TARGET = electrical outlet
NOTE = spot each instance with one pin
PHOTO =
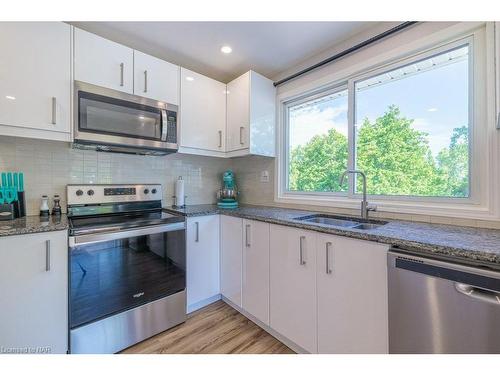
(264, 176)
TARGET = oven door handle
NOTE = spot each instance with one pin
(90, 238)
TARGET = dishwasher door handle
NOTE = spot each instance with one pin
(483, 295)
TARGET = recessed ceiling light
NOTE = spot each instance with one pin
(10, 97)
(226, 49)
(189, 79)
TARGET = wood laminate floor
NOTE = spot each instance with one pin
(215, 329)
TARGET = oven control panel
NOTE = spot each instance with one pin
(120, 191)
(96, 194)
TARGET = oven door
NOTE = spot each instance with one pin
(111, 272)
(113, 118)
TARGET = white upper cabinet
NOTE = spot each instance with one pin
(293, 285)
(231, 258)
(202, 115)
(255, 277)
(102, 62)
(352, 296)
(34, 297)
(155, 78)
(202, 247)
(35, 79)
(251, 115)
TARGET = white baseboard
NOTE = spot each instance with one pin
(202, 303)
(265, 327)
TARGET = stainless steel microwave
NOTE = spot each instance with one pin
(110, 120)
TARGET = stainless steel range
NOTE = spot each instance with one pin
(127, 266)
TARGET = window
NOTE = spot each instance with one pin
(407, 126)
(412, 127)
(318, 142)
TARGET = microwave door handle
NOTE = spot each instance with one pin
(164, 126)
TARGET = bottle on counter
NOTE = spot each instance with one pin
(44, 206)
(56, 208)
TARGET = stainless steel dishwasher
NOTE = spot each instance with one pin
(441, 307)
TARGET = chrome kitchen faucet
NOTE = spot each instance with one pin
(365, 207)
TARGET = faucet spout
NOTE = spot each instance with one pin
(365, 208)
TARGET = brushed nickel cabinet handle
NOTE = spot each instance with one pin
(301, 250)
(54, 110)
(220, 138)
(197, 237)
(328, 247)
(241, 135)
(47, 255)
(145, 81)
(247, 237)
(121, 73)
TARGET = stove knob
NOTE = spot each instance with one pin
(90, 192)
(79, 192)
(146, 191)
(153, 191)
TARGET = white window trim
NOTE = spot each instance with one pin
(483, 161)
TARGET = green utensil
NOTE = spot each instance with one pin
(9, 179)
(21, 182)
(4, 179)
(9, 194)
(1, 195)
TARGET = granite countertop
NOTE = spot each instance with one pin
(476, 246)
(33, 224)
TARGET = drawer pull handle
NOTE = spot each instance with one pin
(328, 247)
(302, 262)
(47, 255)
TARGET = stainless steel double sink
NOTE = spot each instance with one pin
(341, 221)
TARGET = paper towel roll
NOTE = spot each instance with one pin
(179, 192)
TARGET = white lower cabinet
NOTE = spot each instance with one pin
(352, 295)
(34, 297)
(293, 285)
(255, 277)
(202, 247)
(231, 258)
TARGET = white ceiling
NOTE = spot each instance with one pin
(266, 47)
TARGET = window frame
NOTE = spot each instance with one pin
(478, 204)
(324, 91)
(473, 182)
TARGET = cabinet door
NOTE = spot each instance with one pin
(255, 278)
(155, 78)
(231, 254)
(352, 296)
(293, 285)
(238, 112)
(34, 295)
(102, 62)
(202, 112)
(202, 243)
(262, 115)
(35, 75)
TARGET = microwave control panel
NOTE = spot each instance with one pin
(171, 127)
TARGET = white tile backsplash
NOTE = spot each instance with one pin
(49, 166)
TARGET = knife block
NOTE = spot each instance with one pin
(21, 196)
